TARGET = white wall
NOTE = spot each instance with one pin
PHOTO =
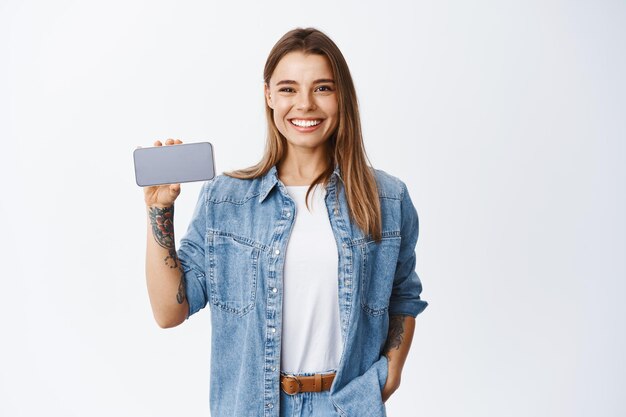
(506, 120)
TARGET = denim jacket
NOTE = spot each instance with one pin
(233, 255)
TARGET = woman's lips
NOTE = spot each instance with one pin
(306, 129)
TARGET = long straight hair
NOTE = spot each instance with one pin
(344, 147)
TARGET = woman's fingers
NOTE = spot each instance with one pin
(169, 141)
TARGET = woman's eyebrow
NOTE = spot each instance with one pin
(321, 80)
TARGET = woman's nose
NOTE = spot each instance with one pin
(305, 102)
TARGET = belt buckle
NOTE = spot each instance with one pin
(299, 384)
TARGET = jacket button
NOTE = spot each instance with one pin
(270, 405)
(288, 214)
(273, 329)
(276, 252)
(274, 289)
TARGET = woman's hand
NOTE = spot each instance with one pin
(162, 195)
(392, 383)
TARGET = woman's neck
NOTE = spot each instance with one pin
(301, 168)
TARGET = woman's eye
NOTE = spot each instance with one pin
(324, 88)
(286, 90)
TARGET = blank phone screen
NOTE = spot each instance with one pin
(173, 164)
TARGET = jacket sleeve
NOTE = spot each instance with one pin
(407, 287)
(191, 254)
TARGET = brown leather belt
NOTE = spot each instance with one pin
(292, 384)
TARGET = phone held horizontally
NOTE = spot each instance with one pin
(174, 164)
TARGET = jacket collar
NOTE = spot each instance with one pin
(270, 179)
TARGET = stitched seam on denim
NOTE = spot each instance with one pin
(390, 197)
(233, 201)
(240, 239)
(390, 234)
(343, 413)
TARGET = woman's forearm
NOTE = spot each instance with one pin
(399, 339)
(398, 343)
(164, 275)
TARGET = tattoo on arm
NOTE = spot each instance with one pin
(180, 295)
(396, 333)
(162, 221)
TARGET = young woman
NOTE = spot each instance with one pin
(306, 259)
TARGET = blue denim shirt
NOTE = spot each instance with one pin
(233, 255)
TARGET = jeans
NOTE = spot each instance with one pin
(307, 404)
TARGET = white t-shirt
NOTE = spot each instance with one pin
(311, 333)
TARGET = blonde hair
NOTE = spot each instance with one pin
(344, 147)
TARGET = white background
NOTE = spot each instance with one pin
(506, 120)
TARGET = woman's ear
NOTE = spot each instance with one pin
(268, 96)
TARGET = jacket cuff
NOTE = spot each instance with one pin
(407, 308)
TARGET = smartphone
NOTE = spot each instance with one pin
(173, 164)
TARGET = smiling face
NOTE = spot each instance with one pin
(302, 94)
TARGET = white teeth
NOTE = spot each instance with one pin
(306, 123)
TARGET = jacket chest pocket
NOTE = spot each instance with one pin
(377, 273)
(233, 271)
